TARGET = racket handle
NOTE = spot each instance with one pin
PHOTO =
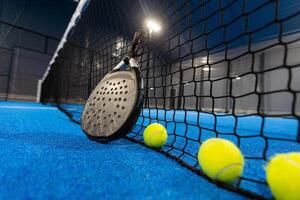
(132, 62)
(123, 64)
(138, 38)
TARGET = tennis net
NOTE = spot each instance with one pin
(220, 68)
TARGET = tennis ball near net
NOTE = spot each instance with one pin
(283, 176)
(155, 135)
(221, 160)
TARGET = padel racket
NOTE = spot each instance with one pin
(115, 104)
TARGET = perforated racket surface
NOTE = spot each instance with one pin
(114, 105)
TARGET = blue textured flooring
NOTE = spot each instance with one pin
(43, 155)
(255, 135)
(259, 138)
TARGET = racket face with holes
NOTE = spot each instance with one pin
(114, 106)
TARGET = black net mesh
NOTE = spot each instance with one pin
(220, 68)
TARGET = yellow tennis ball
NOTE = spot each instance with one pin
(283, 176)
(155, 135)
(221, 160)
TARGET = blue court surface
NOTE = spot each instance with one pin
(259, 138)
(44, 155)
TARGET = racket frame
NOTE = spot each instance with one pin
(131, 63)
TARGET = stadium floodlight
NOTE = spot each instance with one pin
(153, 26)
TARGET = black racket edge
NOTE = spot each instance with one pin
(131, 120)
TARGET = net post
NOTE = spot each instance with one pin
(39, 90)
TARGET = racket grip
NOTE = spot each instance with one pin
(138, 38)
(133, 63)
(123, 64)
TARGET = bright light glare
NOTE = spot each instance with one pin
(237, 78)
(153, 26)
(204, 60)
(205, 69)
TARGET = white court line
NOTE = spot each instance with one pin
(29, 107)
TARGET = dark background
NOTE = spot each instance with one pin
(214, 56)
(30, 31)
